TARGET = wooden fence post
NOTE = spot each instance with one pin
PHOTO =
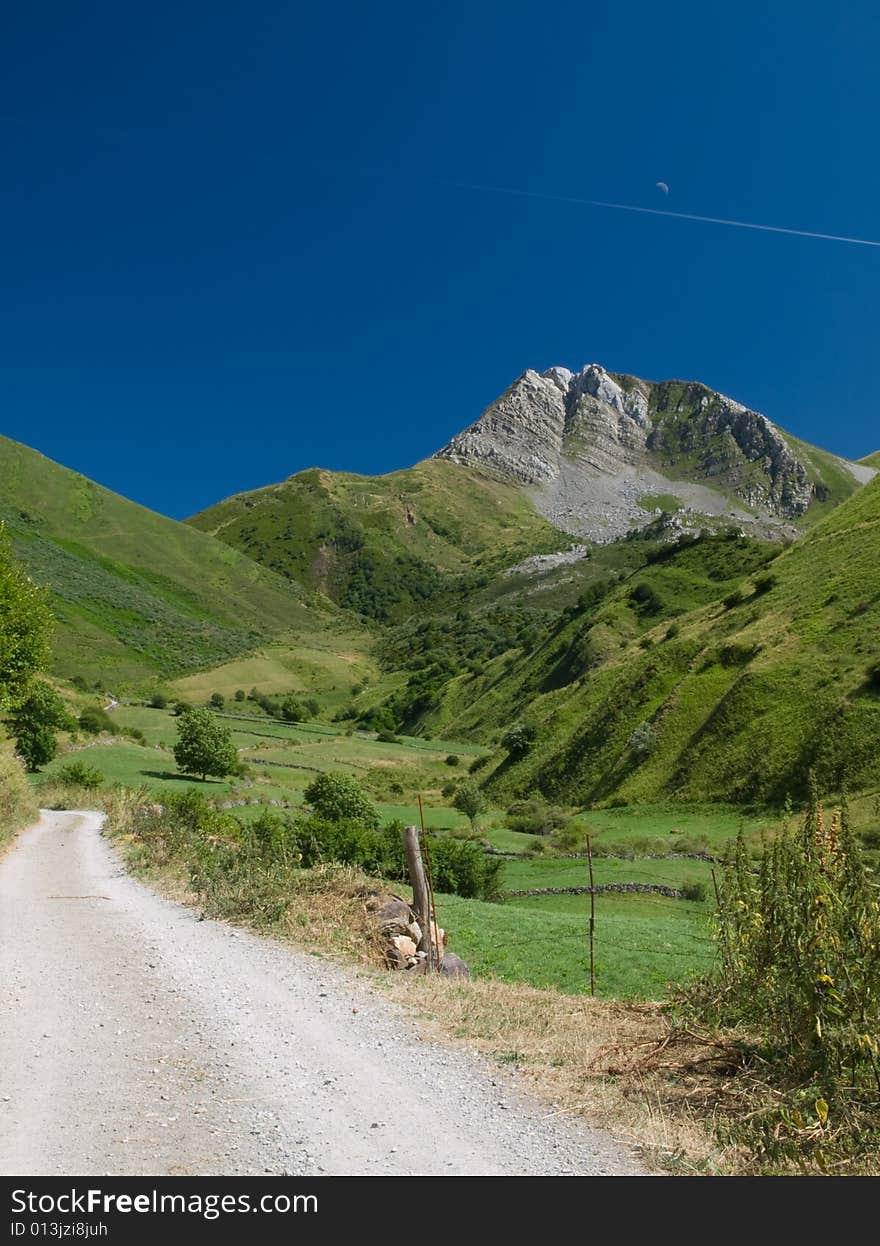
(421, 899)
(592, 920)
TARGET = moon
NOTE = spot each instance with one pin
(662, 186)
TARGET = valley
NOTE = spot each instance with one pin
(612, 617)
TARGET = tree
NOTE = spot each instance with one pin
(519, 739)
(240, 694)
(338, 796)
(204, 746)
(35, 722)
(25, 623)
(218, 700)
(292, 710)
(158, 701)
(470, 801)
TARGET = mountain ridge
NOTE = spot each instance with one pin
(592, 448)
(136, 595)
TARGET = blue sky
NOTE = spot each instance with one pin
(232, 247)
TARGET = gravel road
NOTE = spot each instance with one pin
(137, 1039)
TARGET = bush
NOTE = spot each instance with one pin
(337, 797)
(78, 774)
(734, 599)
(799, 971)
(478, 764)
(388, 737)
(448, 790)
(240, 695)
(535, 816)
(643, 740)
(694, 891)
(519, 739)
(764, 583)
(93, 720)
(462, 868)
(453, 759)
(158, 701)
(293, 710)
(218, 700)
(182, 707)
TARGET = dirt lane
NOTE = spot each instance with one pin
(137, 1039)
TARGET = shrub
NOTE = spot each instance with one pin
(93, 720)
(643, 740)
(764, 583)
(335, 797)
(799, 971)
(874, 675)
(388, 737)
(453, 759)
(646, 598)
(293, 710)
(519, 738)
(182, 707)
(734, 599)
(462, 868)
(478, 763)
(448, 790)
(535, 816)
(218, 700)
(78, 774)
(694, 891)
(158, 701)
(240, 694)
(673, 630)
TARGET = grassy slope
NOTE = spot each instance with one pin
(872, 460)
(742, 700)
(510, 683)
(136, 594)
(383, 544)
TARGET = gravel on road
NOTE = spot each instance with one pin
(138, 1039)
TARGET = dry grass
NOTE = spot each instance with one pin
(620, 1065)
(17, 804)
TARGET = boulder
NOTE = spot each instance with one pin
(453, 966)
(403, 944)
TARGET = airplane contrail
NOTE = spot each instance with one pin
(680, 216)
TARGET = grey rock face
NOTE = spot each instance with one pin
(590, 444)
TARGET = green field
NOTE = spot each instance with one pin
(642, 942)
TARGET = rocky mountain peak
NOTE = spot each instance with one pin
(592, 444)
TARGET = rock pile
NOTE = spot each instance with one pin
(405, 943)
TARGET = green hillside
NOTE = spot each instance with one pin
(735, 700)
(381, 545)
(872, 460)
(136, 595)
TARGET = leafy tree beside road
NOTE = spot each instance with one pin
(25, 622)
(204, 746)
(34, 723)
